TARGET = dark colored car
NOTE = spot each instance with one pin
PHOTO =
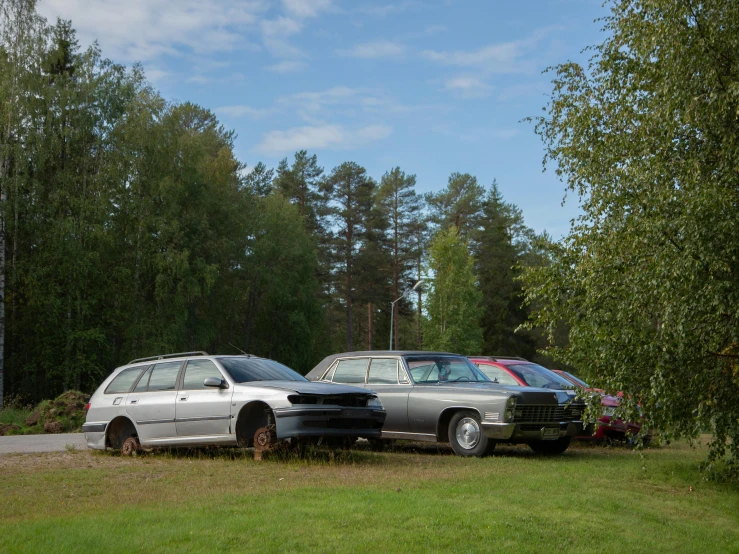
(442, 397)
(519, 371)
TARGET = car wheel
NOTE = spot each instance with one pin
(130, 446)
(551, 447)
(466, 435)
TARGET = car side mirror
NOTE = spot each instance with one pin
(215, 382)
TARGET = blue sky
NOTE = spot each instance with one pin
(431, 86)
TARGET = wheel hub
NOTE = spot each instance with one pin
(468, 433)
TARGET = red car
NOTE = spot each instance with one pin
(509, 370)
(608, 428)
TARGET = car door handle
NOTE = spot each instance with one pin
(134, 401)
(184, 397)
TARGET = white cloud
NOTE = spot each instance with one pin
(502, 57)
(374, 49)
(141, 30)
(317, 137)
(287, 66)
(469, 87)
(306, 8)
(383, 10)
(244, 111)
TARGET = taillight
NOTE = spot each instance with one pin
(87, 407)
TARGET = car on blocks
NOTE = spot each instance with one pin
(195, 399)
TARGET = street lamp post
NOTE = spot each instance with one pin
(392, 307)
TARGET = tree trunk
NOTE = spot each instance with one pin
(2, 279)
(370, 338)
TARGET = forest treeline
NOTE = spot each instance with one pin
(129, 228)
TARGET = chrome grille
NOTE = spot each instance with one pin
(548, 414)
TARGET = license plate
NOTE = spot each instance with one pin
(550, 432)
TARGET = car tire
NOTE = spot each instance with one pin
(551, 448)
(130, 446)
(466, 435)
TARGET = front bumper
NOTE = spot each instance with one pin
(323, 421)
(95, 435)
(526, 432)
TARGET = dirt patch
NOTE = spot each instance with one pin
(4, 429)
(53, 427)
(65, 414)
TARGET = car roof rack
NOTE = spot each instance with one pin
(164, 356)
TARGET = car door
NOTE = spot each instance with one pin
(201, 410)
(388, 379)
(152, 402)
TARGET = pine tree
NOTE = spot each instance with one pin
(350, 192)
(502, 240)
(401, 206)
(459, 204)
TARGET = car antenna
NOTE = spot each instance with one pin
(240, 350)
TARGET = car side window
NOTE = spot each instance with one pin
(164, 376)
(402, 376)
(198, 371)
(497, 374)
(124, 381)
(143, 383)
(351, 371)
(383, 371)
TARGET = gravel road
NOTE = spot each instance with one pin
(41, 443)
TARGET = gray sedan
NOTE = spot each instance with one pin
(196, 399)
(442, 397)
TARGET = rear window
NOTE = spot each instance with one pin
(351, 371)
(245, 370)
(164, 376)
(124, 381)
(383, 371)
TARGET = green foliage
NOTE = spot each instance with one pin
(502, 243)
(648, 136)
(459, 204)
(398, 199)
(351, 194)
(453, 304)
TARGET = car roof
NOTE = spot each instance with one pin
(500, 359)
(148, 362)
(324, 364)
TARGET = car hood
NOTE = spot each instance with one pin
(305, 387)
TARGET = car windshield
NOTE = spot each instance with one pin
(446, 369)
(535, 375)
(244, 370)
(578, 382)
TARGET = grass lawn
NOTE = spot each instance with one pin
(592, 499)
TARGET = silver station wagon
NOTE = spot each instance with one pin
(443, 397)
(196, 399)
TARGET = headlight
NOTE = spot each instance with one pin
(374, 402)
(510, 408)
